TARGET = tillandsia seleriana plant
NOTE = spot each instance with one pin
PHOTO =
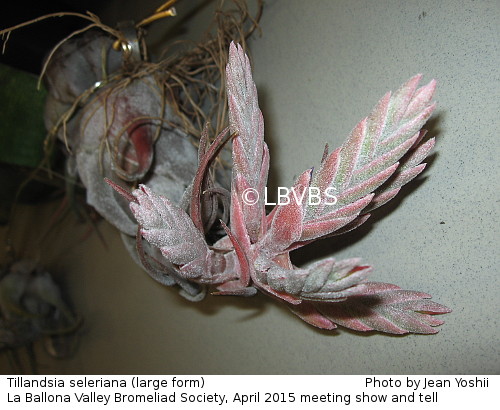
(382, 153)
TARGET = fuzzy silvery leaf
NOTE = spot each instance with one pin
(325, 280)
(169, 228)
(382, 307)
(250, 152)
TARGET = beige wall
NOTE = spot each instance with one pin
(320, 66)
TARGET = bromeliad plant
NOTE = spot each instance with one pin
(382, 153)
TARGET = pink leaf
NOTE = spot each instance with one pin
(286, 223)
(349, 156)
(405, 131)
(382, 198)
(366, 187)
(416, 156)
(308, 313)
(326, 280)
(317, 229)
(376, 125)
(421, 99)
(170, 228)
(401, 100)
(385, 308)
(249, 151)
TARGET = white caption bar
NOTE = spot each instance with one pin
(248, 392)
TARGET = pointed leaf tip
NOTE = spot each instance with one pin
(122, 191)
